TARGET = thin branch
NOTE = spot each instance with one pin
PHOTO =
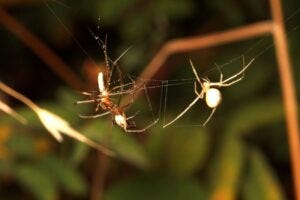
(100, 176)
(206, 41)
(288, 92)
(200, 42)
(40, 49)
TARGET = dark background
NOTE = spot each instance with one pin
(241, 154)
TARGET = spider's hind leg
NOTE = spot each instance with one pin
(94, 116)
(209, 117)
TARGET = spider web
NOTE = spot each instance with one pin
(122, 78)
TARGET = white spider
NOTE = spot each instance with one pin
(210, 91)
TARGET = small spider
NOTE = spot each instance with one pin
(210, 91)
(104, 101)
(104, 96)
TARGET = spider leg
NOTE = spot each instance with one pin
(94, 116)
(89, 93)
(134, 115)
(209, 117)
(97, 107)
(126, 50)
(221, 74)
(141, 130)
(183, 112)
(87, 101)
(231, 83)
(129, 103)
(195, 73)
(239, 73)
(201, 94)
(124, 85)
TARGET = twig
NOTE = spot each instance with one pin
(288, 92)
(40, 49)
(99, 178)
(201, 42)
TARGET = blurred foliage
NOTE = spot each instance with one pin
(241, 154)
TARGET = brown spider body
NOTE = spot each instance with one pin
(106, 104)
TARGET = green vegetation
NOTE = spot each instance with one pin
(242, 153)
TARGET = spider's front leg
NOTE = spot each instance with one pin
(140, 130)
(95, 116)
(234, 78)
(221, 73)
(201, 94)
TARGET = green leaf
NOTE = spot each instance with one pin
(67, 176)
(182, 152)
(139, 27)
(176, 10)
(79, 152)
(122, 143)
(21, 144)
(29, 115)
(258, 76)
(226, 169)
(156, 187)
(261, 182)
(257, 113)
(37, 181)
(112, 11)
(6, 168)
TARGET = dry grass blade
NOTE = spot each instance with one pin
(53, 123)
(5, 108)
(57, 125)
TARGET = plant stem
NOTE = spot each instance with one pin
(288, 92)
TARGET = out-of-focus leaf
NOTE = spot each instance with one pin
(257, 76)
(30, 116)
(68, 177)
(17, 2)
(67, 99)
(176, 10)
(183, 152)
(79, 153)
(111, 11)
(226, 169)
(37, 181)
(158, 188)
(261, 182)
(230, 10)
(21, 145)
(6, 168)
(139, 27)
(5, 132)
(155, 147)
(256, 113)
(120, 142)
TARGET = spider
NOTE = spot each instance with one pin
(210, 91)
(103, 97)
(104, 101)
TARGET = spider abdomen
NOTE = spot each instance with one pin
(213, 97)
